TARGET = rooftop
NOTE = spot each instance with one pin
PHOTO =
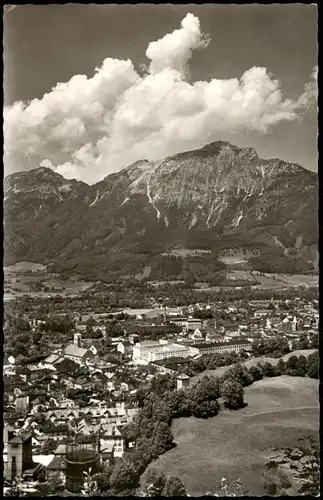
(58, 463)
(73, 350)
(221, 344)
(53, 358)
(170, 361)
(20, 438)
(61, 449)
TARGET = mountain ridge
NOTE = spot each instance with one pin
(218, 196)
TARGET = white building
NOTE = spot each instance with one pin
(196, 335)
(193, 324)
(179, 321)
(144, 352)
(125, 347)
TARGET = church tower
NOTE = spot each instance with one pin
(294, 324)
(77, 339)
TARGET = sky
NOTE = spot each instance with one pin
(90, 89)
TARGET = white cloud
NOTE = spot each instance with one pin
(89, 127)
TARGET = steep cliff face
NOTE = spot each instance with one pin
(218, 197)
(221, 185)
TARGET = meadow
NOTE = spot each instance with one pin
(237, 444)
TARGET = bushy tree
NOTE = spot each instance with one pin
(292, 366)
(303, 341)
(161, 383)
(174, 487)
(205, 409)
(268, 369)
(141, 394)
(281, 367)
(313, 365)
(153, 482)
(179, 403)
(114, 330)
(232, 393)
(103, 480)
(203, 314)
(301, 366)
(255, 373)
(124, 477)
(239, 373)
(315, 341)
(162, 439)
(258, 347)
(207, 389)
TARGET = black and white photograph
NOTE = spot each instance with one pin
(160, 250)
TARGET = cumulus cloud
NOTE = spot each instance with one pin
(89, 127)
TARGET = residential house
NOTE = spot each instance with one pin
(113, 436)
(134, 338)
(196, 335)
(57, 465)
(107, 450)
(262, 313)
(125, 347)
(55, 432)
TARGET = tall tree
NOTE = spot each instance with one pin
(313, 365)
(232, 393)
(303, 341)
(124, 477)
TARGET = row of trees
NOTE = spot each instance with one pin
(211, 362)
(139, 294)
(276, 347)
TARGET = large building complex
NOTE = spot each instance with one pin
(145, 352)
(218, 347)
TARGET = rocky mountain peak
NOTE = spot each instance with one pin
(217, 196)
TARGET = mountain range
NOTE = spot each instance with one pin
(188, 216)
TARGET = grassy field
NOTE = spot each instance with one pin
(238, 444)
(17, 285)
(284, 280)
(267, 280)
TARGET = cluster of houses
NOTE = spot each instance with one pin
(73, 392)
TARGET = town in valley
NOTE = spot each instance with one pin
(160, 254)
(76, 368)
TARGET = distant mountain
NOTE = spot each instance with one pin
(150, 218)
